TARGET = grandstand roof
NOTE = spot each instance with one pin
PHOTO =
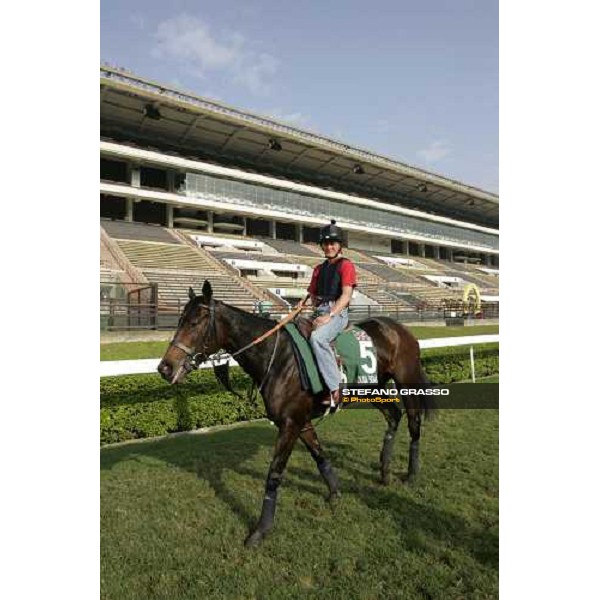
(205, 128)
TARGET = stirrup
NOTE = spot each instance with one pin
(332, 406)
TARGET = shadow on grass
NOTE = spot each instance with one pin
(210, 456)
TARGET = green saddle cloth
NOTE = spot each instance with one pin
(353, 346)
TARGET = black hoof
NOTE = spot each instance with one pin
(254, 539)
(334, 497)
(408, 479)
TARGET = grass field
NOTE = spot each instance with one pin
(135, 350)
(175, 512)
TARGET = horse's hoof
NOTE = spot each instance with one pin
(408, 479)
(254, 539)
(334, 497)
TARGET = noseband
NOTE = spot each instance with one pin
(193, 358)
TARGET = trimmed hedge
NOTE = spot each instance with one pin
(448, 365)
(140, 406)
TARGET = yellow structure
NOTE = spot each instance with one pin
(471, 299)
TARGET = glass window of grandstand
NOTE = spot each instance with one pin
(114, 170)
(112, 207)
(200, 185)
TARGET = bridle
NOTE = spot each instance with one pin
(193, 359)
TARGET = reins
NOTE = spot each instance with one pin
(195, 359)
(271, 331)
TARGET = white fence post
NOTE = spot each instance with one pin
(472, 364)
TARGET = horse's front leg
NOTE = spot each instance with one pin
(288, 434)
(414, 427)
(392, 415)
(311, 441)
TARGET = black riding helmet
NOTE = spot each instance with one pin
(331, 233)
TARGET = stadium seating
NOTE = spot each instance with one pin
(389, 273)
(176, 265)
(174, 261)
(137, 231)
(291, 247)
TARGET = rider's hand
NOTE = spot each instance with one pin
(322, 320)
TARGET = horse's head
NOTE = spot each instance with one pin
(196, 337)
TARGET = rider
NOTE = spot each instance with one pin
(330, 291)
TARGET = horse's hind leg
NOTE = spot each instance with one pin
(288, 434)
(392, 414)
(413, 414)
(308, 435)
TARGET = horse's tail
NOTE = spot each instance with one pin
(428, 404)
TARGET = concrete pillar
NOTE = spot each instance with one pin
(422, 250)
(129, 209)
(171, 181)
(488, 260)
(245, 224)
(273, 230)
(136, 178)
(170, 212)
(210, 217)
(404, 247)
(450, 254)
(300, 232)
(436, 252)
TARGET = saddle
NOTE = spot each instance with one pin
(305, 326)
(353, 347)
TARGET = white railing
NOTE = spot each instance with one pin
(111, 368)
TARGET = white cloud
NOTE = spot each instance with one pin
(191, 42)
(435, 151)
(256, 73)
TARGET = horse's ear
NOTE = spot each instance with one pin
(207, 290)
(191, 293)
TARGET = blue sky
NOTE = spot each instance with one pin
(413, 80)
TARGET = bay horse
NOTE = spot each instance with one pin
(208, 325)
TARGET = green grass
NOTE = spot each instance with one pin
(175, 512)
(132, 350)
(425, 333)
(135, 350)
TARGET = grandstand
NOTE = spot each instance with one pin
(192, 189)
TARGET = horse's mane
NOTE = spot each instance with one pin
(256, 318)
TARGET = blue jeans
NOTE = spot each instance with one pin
(320, 340)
